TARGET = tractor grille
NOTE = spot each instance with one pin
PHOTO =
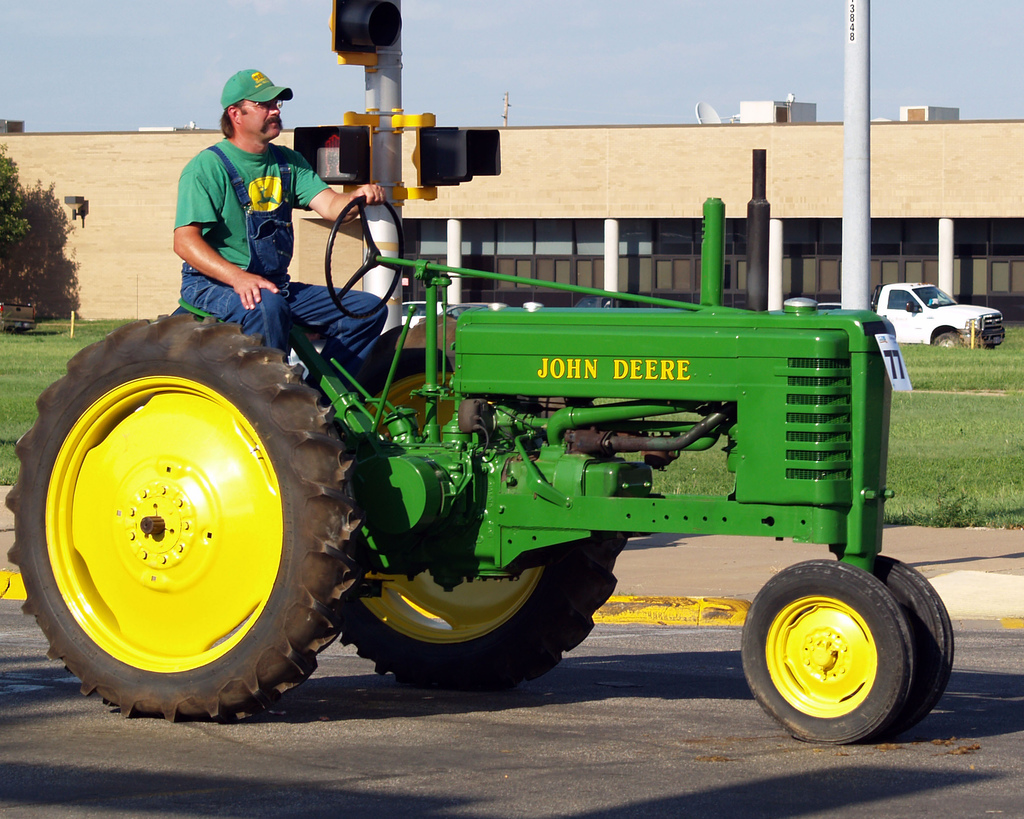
(818, 420)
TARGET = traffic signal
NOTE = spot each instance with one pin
(450, 156)
(340, 154)
(360, 27)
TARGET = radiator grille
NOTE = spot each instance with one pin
(818, 423)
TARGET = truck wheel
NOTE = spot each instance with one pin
(485, 634)
(828, 652)
(933, 639)
(950, 339)
(182, 521)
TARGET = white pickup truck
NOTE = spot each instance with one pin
(923, 314)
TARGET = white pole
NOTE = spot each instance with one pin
(946, 234)
(775, 238)
(857, 155)
(454, 259)
(611, 255)
(384, 96)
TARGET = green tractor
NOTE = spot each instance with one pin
(196, 518)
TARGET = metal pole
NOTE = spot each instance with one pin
(776, 234)
(611, 255)
(946, 254)
(454, 259)
(384, 97)
(758, 219)
(857, 155)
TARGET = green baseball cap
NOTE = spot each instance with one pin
(252, 85)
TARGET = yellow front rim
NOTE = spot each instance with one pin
(821, 657)
(423, 610)
(164, 524)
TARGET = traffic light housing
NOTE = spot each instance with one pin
(360, 27)
(450, 156)
(340, 154)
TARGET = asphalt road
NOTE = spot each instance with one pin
(638, 721)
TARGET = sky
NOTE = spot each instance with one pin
(118, 65)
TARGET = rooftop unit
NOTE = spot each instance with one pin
(786, 111)
(928, 113)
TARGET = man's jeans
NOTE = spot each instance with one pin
(347, 340)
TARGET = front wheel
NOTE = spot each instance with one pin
(182, 521)
(948, 339)
(828, 652)
(933, 639)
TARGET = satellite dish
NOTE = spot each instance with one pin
(706, 115)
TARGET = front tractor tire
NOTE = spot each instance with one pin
(828, 652)
(182, 521)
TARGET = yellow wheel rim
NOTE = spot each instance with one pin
(423, 610)
(822, 657)
(164, 524)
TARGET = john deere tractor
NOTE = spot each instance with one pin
(196, 518)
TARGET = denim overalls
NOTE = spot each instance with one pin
(269, 233)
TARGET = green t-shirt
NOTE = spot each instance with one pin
(206, 198)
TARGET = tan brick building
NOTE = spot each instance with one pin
(546, 215)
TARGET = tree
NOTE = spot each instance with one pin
(38, 269)
(13, 226)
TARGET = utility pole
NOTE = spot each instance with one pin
(384, 97)
(857, 156)
(504, 119)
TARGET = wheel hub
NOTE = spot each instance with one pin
(825, 655)
(159, 525)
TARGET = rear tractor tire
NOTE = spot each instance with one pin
(485, 634)
(183, 522)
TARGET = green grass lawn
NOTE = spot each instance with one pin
(956, 450)
(29, 363)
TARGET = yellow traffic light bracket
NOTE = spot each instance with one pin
(414, 122)
(400, 122)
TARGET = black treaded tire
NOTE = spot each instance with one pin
(553, 615)
(247, 533)
(950, 338)
(933, 640)
(828, 652)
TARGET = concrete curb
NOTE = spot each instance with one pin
(11, 586)
(623, 610)
(673, 611)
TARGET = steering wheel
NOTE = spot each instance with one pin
(369, 262)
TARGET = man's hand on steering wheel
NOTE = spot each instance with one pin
(374, 195)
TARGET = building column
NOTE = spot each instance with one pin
(611, 255)
(946, 251)
(775, 238)
(454, 259)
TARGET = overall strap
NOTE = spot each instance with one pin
(286, 172)
(236, 178)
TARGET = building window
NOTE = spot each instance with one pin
(554, 237)
(515, 237)
(828, 276)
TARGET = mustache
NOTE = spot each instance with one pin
(275, 120)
